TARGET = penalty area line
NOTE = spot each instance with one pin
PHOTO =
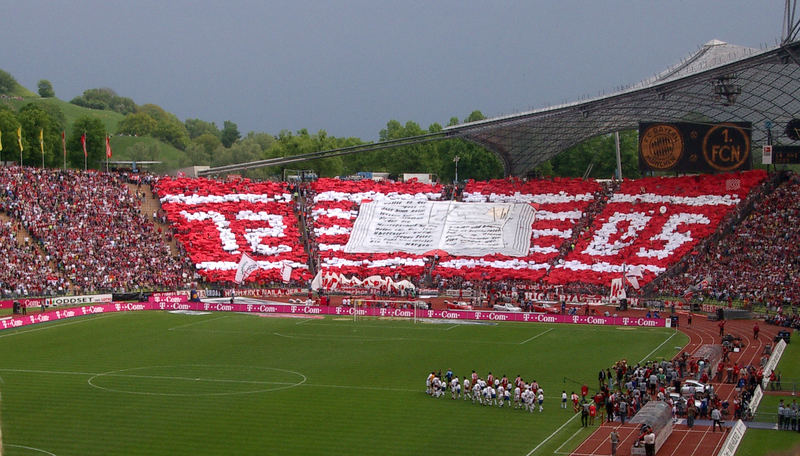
(534, 337)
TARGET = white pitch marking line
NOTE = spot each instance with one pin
(451, 327)
(551, 435)
(534, 337)
(38, 450)
(382, 339)
(558, 450)
(197, 322)
(647, 356)
(56, 325)
(152, 377)
(375, 388)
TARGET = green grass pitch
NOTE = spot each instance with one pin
(155, 383)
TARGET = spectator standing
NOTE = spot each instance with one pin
(716, 415)
(614, 437)
(650, 443)
(691, 413)
(623, 410)
(584, 413)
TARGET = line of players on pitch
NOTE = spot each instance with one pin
(492, 391)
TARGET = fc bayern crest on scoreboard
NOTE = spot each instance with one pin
(694, 147)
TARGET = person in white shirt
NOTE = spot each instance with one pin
(540, 398)
(467, 394)
(716, 415)
(650, 443)
(437, 387)
(455, 387)
(563, 399)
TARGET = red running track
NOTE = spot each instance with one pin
(700, 440)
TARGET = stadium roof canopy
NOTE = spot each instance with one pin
(721, 82)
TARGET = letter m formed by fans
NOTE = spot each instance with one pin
(246, 267)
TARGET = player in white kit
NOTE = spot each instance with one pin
(455, 387)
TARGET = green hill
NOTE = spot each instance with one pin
(71, 112)
(124, 147)
(147, 148)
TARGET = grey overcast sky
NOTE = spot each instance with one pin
(348, 67)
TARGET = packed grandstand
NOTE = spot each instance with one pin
(73, 232)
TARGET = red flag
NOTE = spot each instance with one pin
(83, 143)
(108, 147)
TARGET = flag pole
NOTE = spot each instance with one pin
(41, 144)
(64, 146)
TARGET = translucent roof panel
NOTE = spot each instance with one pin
(719, 83)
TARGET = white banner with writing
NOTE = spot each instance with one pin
(462, 229)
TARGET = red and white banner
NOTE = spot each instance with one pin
(217, 222)
(652, 223)
(617, 289)
(334, 210)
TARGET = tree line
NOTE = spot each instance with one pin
(205, 143)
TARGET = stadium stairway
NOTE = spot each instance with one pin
(151, 204)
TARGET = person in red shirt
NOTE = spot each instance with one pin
(756, 329)
(584, 391)
(721, 328)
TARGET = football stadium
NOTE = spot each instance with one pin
(204, 310)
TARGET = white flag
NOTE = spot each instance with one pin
(633, 274)
(286, 272)
(316, 284)
(246, 267)
(617, 288)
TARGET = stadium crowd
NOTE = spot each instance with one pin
(91, 226)
(25, 271)
(624, 390)
(756, 260)
(94, 237)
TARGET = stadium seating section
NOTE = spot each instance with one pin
(88, 232)
(92, 229)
